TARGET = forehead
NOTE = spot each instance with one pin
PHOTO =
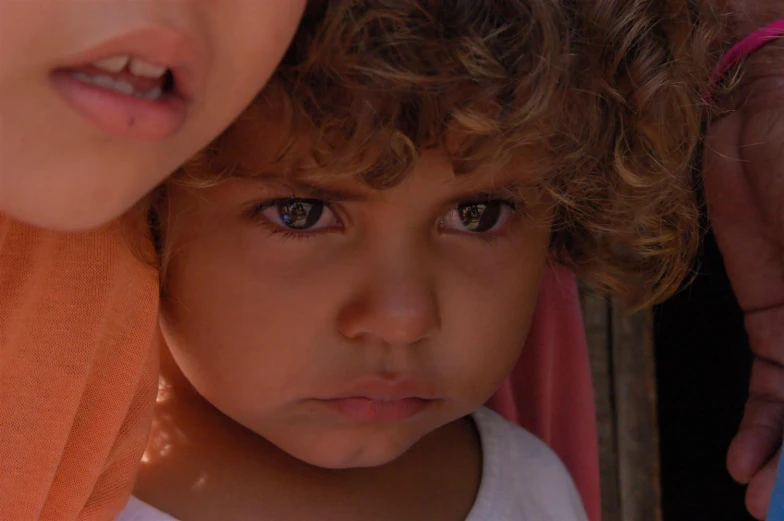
(266, 144)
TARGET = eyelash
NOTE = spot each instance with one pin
(273, 229)
(489, 238)
(286, 234)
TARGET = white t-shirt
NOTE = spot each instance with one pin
(522, 479)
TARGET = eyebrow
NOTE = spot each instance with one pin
(308, 189)
(507, 190)
(512, 189)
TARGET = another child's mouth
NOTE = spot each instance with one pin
(126, 96)
(127, 75)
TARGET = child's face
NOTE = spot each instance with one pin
(74, 155)
(342, 323)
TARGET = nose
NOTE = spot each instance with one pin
(400, 310)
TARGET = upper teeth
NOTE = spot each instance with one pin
(112, 63)
(118, 85)
(146, 69)
(137, 66)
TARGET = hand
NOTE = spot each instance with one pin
(744, 184)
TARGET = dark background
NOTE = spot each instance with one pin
(703, 365)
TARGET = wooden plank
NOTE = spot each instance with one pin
(596, 315)
(634, 377)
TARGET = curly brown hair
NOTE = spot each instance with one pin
(607, 93)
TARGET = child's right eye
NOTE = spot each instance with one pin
(296, 214)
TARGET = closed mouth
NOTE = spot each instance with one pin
(365, 409)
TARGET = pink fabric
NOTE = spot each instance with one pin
(744, 48)
(550, 391)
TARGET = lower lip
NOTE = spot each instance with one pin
(368, 410)
(120, 114)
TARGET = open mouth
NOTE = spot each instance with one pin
(125, 96)
(126, 75)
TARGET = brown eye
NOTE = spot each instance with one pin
(299, 214)
(478, 216)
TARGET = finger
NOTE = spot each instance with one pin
(760, 490)
(765, 330)
(760, 431)
(723, 169)
(751, 254)
(756, 441)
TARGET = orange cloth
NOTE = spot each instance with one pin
(78, 371)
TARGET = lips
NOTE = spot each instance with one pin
(119, 114)
(137, 85)
(369, 410)
(387, 389)
(378, 399)
(185, 56)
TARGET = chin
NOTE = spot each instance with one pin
(355, 460)
(339, 452)
(72, 212)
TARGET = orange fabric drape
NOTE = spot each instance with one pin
(78, 371)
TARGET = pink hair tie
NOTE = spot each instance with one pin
(743, 49)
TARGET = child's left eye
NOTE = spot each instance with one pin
(478, 216)
(299, 214)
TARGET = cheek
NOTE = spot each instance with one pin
(247, 40)
(13, 36)
(488, 335)
(241, 324)
(490, 313)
